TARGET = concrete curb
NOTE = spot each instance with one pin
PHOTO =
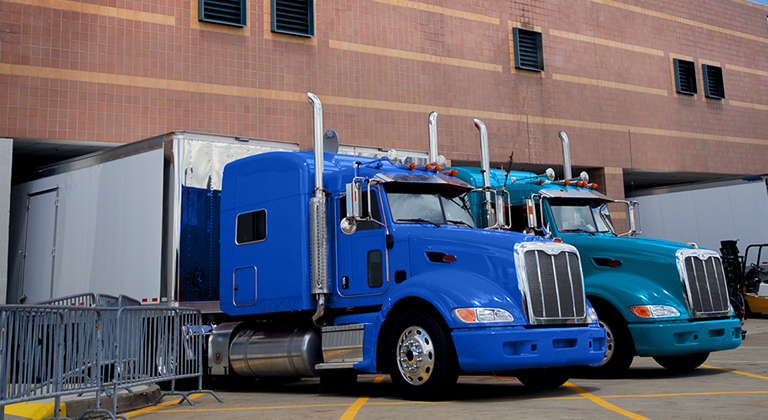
(140, 397)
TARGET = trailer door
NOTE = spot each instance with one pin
(40, 245)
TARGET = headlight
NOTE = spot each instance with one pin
(477, 315)
(592, 316)
(654, 311)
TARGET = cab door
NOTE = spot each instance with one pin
(362, 267)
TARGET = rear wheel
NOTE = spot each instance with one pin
(543, 379)
(682, 363)
(619, 347)
(421, 359)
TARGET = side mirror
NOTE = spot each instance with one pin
(354, 204)
(633, 218)
(501, 220)
(348, 225)
(530, 207)
(633, 215)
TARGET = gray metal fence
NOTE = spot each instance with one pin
(93, 345)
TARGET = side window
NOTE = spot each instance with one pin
(375, 213)
(251, 227)
(375, 269)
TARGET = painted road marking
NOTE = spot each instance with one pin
(354, 408)
(736, 371)
(605, 404)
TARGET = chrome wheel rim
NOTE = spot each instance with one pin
(609, 343)
(415, 355)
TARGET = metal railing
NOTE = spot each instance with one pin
(90, 344)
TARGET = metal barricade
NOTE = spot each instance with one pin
(92, 300)
(156, 344)
(48, 351)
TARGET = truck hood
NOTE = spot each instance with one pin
(478, 262)
(643, 269)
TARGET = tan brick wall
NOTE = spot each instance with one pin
(121, 71)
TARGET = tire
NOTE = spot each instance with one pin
(420, 357)
(619, 347)
(543, 379)
(682, 363)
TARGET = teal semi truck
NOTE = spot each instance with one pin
(657, 298)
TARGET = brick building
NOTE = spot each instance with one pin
(649, 91)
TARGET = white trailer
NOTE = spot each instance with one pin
(130, 220)
(707, 213)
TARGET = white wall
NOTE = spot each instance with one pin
(6, 158)
(707, 216)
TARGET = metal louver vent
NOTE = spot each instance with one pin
(552, 284)
(713, 81)
(529, 54)
(685, 77)
(226, 12)
(705, 284)
(294, 17)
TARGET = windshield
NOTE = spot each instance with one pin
(581, 216)
(420, 203)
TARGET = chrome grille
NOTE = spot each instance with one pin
(552, 282)
(705, 284)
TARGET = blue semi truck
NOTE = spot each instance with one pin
(655, 298)
(334, 265)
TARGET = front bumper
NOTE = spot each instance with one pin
(511, 348)
(675, 338)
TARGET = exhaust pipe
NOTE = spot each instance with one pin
(318, 230)
(566, 155)
(485, 164)
(433, 137)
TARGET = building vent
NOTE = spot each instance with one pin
(293, 17)
(713, 81)
(529, 54)
(685, 77)
(225, 12)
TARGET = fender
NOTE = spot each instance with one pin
(634, 290)
(458, 288)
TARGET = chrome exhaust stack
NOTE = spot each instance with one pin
(485, 165)
(567, 174)
(318, 230)
(433, 137)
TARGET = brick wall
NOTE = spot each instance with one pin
(121, 71)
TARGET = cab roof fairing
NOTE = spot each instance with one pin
(382, 170)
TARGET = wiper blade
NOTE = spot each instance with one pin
(577, 230)
(419, 220)
(459, 222)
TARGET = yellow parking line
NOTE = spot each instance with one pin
(736, 371)
(159, 406)
(354, 408)
(605, 404)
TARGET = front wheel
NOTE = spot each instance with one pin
(543, 379)
(421, 359)
(682, 363)
(619, 347)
